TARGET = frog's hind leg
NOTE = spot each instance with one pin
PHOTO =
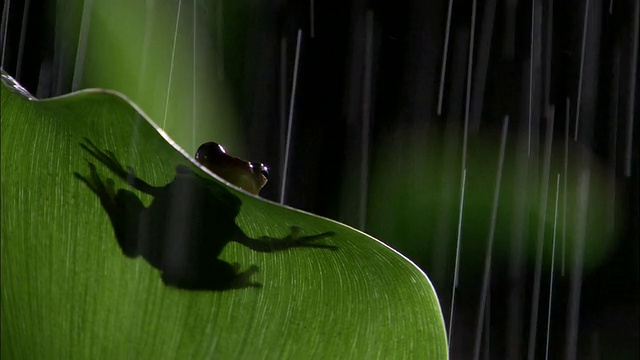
(217, 275)
(242, 279)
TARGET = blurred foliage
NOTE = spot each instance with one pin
(415, 200)
(130, 49)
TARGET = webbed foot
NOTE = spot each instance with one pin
(105, 190)
(219, 275)
(294, 239)
(243, 278)
(108, 158)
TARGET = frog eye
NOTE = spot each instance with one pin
(264, 170)
(209, 150)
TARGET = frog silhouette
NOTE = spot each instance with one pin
(186, 226)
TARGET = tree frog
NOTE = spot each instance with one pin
(250, 176)
(187, 224)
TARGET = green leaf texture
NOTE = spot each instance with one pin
(68, 292)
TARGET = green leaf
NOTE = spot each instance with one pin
(69, 292)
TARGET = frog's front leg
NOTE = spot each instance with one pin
(123, 208)
(109, 159)
(295, 239)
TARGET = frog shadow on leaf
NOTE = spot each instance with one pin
(185, 228)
